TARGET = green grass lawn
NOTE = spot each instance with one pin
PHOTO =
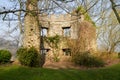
(25, 73)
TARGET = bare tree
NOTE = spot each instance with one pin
(114, 5)
(109, 34)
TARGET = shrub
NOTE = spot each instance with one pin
(119, 55)
(28, 57)
(85, 59)
(21, 51)
(5, 56)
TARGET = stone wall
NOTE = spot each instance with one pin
(55, 24)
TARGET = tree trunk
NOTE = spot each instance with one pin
(31, 26)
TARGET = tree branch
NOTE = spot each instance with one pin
(117, 5)
(90, 7)
(115, 11)
(11, 11)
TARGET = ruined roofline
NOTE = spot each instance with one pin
(55, 16)
(59, 17)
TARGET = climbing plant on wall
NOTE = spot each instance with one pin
(53, 42)
(81, 11)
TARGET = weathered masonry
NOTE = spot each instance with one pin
(66, 26)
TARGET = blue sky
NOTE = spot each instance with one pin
(4, 28)
(6, 3)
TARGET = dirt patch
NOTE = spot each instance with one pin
(59, 65)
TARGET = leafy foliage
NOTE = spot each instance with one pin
(28, 57)
(5, 56)
(21, 51)
(85, 59)
(81, 11)
(119, 55)
(53, 42)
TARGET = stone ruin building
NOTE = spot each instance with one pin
(68, 27)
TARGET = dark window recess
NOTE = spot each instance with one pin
(44, 51)
(66, 31)
(67, 52)
(44, 31)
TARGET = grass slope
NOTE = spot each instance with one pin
(25, 73)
